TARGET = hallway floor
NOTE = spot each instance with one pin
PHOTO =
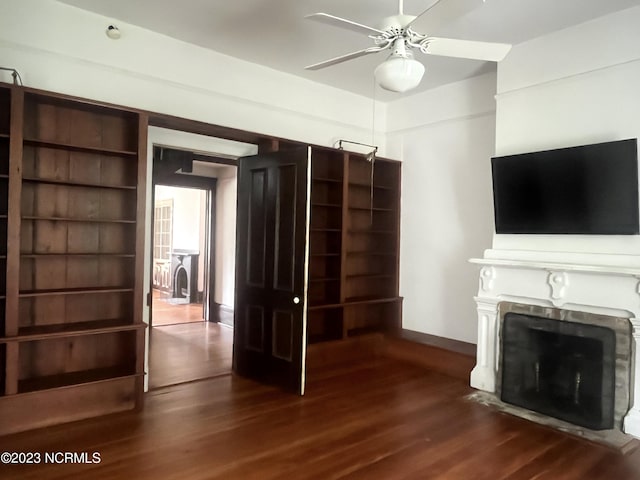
(166, 313)
(186, 352)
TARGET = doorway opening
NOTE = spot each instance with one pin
(180, 250)
(192, 274)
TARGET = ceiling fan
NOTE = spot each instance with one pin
(401, 72)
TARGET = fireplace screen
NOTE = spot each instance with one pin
(562, 369)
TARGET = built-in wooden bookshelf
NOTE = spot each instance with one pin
(72, 204)
(72, 177)
(353, 274)
(5, 138)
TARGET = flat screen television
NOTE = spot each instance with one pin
(591, 190)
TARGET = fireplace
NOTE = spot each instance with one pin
(562, 369)
(558, 340)
(184, 276)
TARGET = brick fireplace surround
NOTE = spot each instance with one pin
(601, 284)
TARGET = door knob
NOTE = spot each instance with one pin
(296, 300)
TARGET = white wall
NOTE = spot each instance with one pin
(572, 87)
(187, 210)
(445, 138)
(225, 241)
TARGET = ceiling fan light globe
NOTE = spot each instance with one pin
(399, 74)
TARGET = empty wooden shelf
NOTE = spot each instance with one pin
(72, 190)
(353, 262)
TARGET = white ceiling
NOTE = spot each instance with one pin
(275, 34)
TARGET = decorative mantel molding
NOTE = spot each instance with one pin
(488, 274)
(600, 288)
(559, 282)
(555, 266)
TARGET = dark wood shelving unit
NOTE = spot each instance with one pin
(73, 291)
(72, 207)
(70, 379)
(353, 281)
(370, 275)
(373, 254)
(53, 181)
(326, 230)
(326, 205)
(324, 179)
(60, 255)
(375, 209)
(43, 332)
(78, 148)
(6, 95)
(69, 219)
(368, 186)
(365, 231)
(72, 193)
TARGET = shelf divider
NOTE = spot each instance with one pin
(78, 148)
(72, 378)
(93, 327)
(63, 255)
(70, 219)
(73, 291)
(71, 183)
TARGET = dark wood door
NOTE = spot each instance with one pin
(270, 313)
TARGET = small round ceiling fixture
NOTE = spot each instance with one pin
(113, 32)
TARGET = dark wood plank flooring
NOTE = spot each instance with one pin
(165, 313)
(376, 420)
(187, 352)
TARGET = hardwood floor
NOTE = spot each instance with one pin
(187, 352)
(165, 313)
(380, 420)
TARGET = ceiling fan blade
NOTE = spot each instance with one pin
(449, 47)
(442, 12)
(343, 23)
(344, 58)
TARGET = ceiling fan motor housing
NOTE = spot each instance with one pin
(396, 23)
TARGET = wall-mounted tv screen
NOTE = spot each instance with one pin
(592, 190)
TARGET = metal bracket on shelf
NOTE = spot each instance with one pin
(371, 158)
(17, 79)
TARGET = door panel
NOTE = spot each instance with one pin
(284, 263)
(257, 228)
(254, 337)
(272, 227)
(282, 335)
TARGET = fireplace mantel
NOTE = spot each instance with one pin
(557, 266)
(595, 283)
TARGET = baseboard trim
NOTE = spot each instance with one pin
(216, 310)
(449, 357)
(457, 346)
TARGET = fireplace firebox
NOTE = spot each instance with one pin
(559, 368)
